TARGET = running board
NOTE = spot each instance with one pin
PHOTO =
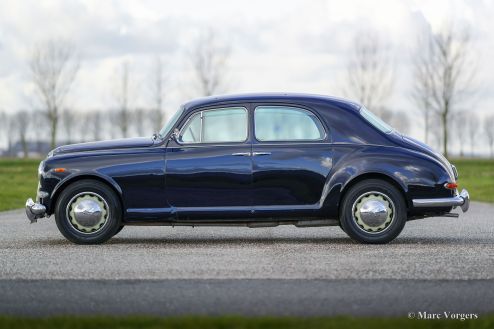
(318, 222)
(260, 224)
(300, 223)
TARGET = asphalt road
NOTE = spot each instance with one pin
(436, 265)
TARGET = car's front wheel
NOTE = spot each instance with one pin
(373, 211)
(88, 212)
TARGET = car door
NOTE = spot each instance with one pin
(291, 157)
(209, 167)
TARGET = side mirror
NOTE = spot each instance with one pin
(176, 134)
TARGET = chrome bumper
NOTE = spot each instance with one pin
(34, 210)
(462, 200)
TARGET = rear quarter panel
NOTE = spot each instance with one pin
(417, 175)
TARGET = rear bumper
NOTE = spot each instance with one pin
(34, 210)
(462, 200)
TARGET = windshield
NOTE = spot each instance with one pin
(170, 123)
(375, 120)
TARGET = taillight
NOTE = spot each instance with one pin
(451, 186)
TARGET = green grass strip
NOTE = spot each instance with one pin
(237, 322)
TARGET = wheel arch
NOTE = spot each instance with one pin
(73, 179)
(373, 175)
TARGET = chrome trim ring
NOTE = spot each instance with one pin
(88, 212)
(373, 212)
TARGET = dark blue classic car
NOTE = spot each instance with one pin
(257, 160)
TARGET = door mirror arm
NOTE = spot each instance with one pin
(175, 135)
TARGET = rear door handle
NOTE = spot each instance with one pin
(261, 153)
(242, 154)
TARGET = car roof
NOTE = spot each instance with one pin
(271, 97)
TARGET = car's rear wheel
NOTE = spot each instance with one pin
(373, 211)
(119, 229)
(88, 212)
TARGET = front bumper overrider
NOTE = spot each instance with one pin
(34, 210)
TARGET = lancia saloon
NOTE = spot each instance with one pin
(255, 160)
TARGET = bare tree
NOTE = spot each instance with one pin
(398, 119)
(21, 122)
(122, 99)
(158, 94)
(422, 82)
(449, 73)
(39, 135)
(369, 72)
(9, 127)
(209, 60)
(95, 122)
(81, 126)
(54, 66)
(69, 120)
(139, 120)
(489, 133)
(461, 133)
(472, 127)
(5, 130)
(3, 127)
(113, 116)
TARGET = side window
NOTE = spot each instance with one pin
(192, 131)
(285, 123)
(218, 125)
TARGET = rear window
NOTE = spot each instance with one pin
(375, 121)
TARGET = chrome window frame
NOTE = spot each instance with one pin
(319, 122)
(200, 112)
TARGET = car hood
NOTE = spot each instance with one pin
(105, 145)
(424, 148)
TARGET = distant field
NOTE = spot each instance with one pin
(18, 180)
(477, 176)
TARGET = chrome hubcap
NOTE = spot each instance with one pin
(373, 212)
(88, 212)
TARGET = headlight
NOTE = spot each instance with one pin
(41, 168)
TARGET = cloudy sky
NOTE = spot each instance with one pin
(285, 45)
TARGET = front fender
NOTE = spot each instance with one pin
(78, 176)
(137, 176)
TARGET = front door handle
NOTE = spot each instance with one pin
(242, 154)
(261, 153)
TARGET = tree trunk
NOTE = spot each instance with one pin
(427, 126)
(9, 153)
(24, 146)
(53, 132)
(444, 119)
